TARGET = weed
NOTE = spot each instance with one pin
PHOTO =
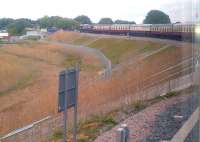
(171, 94)
(94, 126)
(58, 134)
(138, 105)
(71, 60)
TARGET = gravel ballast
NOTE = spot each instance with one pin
(158, 122)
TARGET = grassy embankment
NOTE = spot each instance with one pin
(19, 63)
(15, 72)
(117, 49)
(27, 70)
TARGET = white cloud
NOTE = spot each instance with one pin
(134, 10)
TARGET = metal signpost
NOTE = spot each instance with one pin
(68, 94)
(122, 134)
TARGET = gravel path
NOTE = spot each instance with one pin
(170, 121)
(86, 50)
(156, 122)
(194, 134)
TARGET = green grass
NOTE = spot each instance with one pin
(90, 67)
(115, 49)
(58, 134)
(72, 60)
(151, 46)
(83, 40)
(138, 105)
(3, 42)
(88, 130)
(170, 50)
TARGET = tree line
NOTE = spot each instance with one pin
(18, 26)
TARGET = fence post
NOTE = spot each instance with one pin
(126, 129)
(33, 137)
(122, 134)
(49, 129)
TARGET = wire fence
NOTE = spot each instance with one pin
(44, 130)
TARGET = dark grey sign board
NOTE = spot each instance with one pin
(67, 97)
(67, 89)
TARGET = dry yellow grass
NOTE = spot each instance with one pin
(105, 96)
(64, 36)
(13, 72)
(38, 53)
(27, 97)
(33, 102)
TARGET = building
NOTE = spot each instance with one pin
(43, 30)
(4, 36)
(34, 34)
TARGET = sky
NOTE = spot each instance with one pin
(132, 10)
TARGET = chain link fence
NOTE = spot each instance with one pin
(44, 130)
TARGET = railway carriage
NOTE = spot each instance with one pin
(161, 30)
(86, 28)
(122, 29)
(140, 30)
(183, 31)
(169, 31)
(101, 28)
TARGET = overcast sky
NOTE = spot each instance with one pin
(133, 10)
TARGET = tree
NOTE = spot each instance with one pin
(16, 28)
(4, 22)
(58, 22)
(156, 17)
(124, 22)
(27, 22)
(82, 19)
(67, 24)
(44, 22)
(106, 21)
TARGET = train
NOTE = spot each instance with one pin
(177, 31)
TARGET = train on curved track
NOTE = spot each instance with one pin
(176, 31)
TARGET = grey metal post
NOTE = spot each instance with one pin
(65, 114)
(120, 135)
(76, 105)
(49, 129)
(65, 125)
(126, 130)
